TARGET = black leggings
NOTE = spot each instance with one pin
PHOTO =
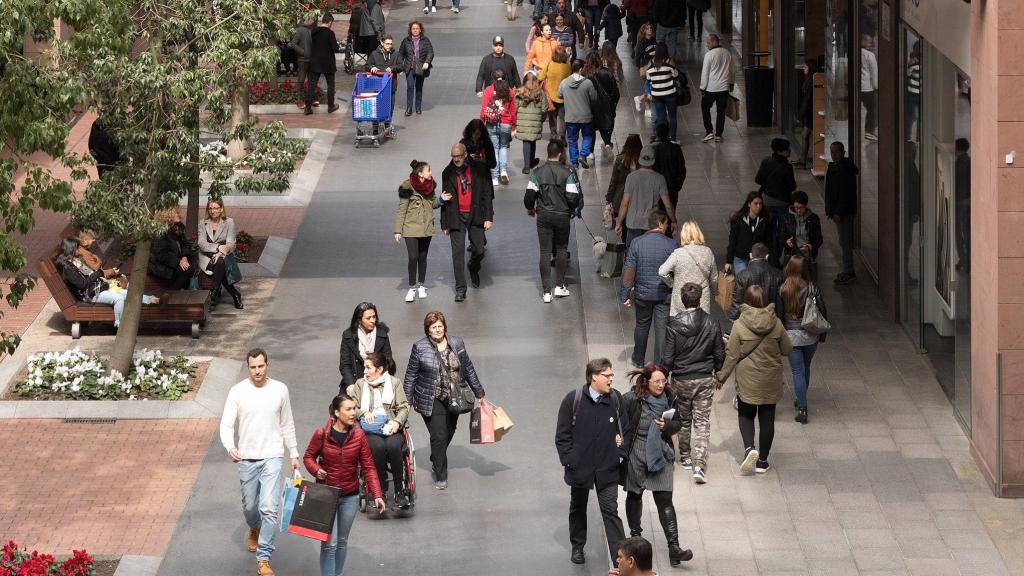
(635, 508)
(529, 153)
(441, 426)
(387, 450)
(220, 277)
(417, 248)
(766, 418)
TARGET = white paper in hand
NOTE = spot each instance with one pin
(669, 414)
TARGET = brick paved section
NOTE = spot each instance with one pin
(108, 488)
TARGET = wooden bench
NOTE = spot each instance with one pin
(176, 306)
(154, 285)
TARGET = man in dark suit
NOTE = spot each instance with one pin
(323, 47)
(469, 212)
(590, 436)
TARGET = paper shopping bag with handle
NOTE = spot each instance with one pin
(315, 509)
(481, 424)
(291, 494)
(725, 286)
(502, 423)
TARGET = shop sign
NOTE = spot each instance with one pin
(945, 24)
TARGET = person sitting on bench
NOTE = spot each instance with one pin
(90, 286)
(171, 260)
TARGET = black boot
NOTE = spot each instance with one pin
(236, 297)
(634, 511)
(215, 296)
(676, 554)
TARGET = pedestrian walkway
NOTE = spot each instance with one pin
(879, 482)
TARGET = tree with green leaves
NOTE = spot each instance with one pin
(162, 75)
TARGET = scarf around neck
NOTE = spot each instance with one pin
(381, 391)
(655, 452)
(366, 341)
(424, 187)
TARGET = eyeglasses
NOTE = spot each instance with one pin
(608, 375)
(658, 381)
(457, 156)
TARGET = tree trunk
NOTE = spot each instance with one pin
(192, 211)
(239, 115)
(128, 331)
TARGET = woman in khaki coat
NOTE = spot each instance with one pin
(414, 220)
(755, 350)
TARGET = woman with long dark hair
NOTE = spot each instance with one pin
(747, 226)
(478, 143)
(651, 453)
(365, 334)
(627, 161)
(662, 76)
(757, 343)
(606, 84)
(498, 113)
(382, 411)
(807, 108)
(414, 221)
(334, 455)
(438, 367)
(794, 292)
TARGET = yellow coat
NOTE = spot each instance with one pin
(552, 75)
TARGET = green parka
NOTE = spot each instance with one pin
(414, 217)
(755, 350)
(530, 117)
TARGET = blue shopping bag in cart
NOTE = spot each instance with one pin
(290, 495)
(371, 98)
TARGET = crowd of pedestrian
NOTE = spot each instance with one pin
(670, 278)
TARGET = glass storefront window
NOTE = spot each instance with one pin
(910, 208)
(868, 118)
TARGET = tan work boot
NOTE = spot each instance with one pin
(263, 568)
(253, 539)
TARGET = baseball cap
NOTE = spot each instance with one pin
(498, 40)
(647, 156)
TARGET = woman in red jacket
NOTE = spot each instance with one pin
(498, 113)
(332, 456)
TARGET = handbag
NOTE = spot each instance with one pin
(813, 320)
(683, 96)
(461, 398)
(726, 282)
(491, 114)
(732, 108)
(376, 427)
(544, 87)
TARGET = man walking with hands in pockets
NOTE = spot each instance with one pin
(263, 411)
(590, 439)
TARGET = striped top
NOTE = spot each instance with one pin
(662, 80)
(914, 78)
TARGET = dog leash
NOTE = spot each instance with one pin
(585, 225)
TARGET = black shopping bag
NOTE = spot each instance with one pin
(315, 509)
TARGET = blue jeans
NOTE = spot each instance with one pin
(800, 363)
(115, 299)
(501, 138)
(413, 84)
(645, 311)
(573, 131)
(333, 552)
(261, 500)
(593, 19)
(739, 265)
(668, 36)
(665, 113)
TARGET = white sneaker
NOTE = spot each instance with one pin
(494, 182)
(718, 138)
(698, 475)
(637, 103)
(421, 292)
(433, 8)
(561, 291)
(546, 297)
(456, 10)
(709, 137)
(410, 295)
(426, 10)
(749, 461)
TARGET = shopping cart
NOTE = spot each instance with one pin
(371, 104)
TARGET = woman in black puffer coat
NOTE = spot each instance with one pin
(437, 364)
(417, 55)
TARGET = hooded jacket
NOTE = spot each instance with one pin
(577, 92)
(414, 217)
(693, 345)
(756, 346)
(540, 53)
(340, 461)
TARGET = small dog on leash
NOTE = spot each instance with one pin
(600, 249)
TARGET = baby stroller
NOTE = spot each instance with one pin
(409, 462)
(371, 103)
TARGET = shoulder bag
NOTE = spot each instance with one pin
(683, 96)
(461, 398)
(813, 320)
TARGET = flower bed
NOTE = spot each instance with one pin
(76, 375)
(287, 92)
(15, 562)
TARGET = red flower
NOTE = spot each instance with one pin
(243, 247)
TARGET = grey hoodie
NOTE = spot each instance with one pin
(577, 92)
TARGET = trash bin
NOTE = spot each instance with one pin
(760, 93)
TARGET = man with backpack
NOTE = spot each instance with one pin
(590, 439)
(553, 195)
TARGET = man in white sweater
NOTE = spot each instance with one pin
(717, 77)
(263, 411)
